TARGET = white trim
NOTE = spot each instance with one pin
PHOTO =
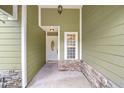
(11, 17)
(59, 42)
(1, 10)
(64, 6)
(23, 46)
(65, 45)
(39, 17)
(81, 33)
(44, 28)
(46, 46)
(15, 12)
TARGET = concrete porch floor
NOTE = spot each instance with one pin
(50, 77)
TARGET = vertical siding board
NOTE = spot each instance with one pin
(35, 43)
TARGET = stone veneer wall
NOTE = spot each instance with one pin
(10, 79)
(94, 77)
(65, 65)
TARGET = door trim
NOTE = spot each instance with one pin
(58, 44)
(65, 45)
(81, 33)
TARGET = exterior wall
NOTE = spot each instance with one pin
(7, 8)
(68, 22)
(10, 53)
(35, 43)
(10, 45)
(10, 79)
(103, 46)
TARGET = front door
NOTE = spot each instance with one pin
(52, 48)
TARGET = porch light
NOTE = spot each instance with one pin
(60, 9)
(51, 30)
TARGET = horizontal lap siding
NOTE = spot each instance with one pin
(36, 56)
(103, 40)
(10, 45)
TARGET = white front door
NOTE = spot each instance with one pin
(52, 48)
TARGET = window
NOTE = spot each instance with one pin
(71, 45)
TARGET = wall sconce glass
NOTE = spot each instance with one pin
(60, 9)
(51, 30)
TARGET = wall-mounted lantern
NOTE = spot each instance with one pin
(60, 9)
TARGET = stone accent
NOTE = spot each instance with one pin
(10, 79)
(72, 65)
(94, 77)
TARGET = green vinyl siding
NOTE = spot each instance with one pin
(68, 21)
(10, 45)
(35, 43)
(103, 40)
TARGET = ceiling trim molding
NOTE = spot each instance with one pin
(64, 6)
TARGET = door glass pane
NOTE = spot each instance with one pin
(71, 46)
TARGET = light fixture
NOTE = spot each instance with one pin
(51, 30)
(60, 9)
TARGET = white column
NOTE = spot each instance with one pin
(81, 33)
(15, 12)
(23, 46)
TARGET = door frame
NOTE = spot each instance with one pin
(65, 46)
(58, 44)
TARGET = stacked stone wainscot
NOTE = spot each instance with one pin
(94, 77)
(10, 79)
